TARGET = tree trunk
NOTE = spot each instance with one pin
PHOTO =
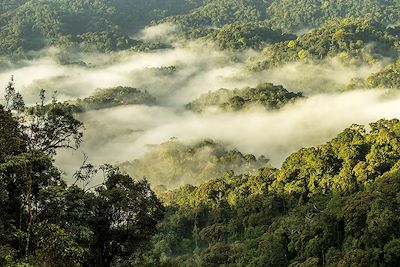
(29, 204)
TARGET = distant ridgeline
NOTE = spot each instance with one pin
(113, 97)
(350, 40)
(287, 15)
(173, 163)
(247, 35)
(265, 95)
(332, 205)
(217, 13)
(105, 25)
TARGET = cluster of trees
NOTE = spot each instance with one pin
(102, 41)
(173, 163)
(27, 27)
(332, 205)
(101, 24)
(351, 40)
(300, 14)
(106, 25)
(265, 95)
(217, 13)
(250, 35)
(112, 97)
(43, 221)
(144, 46)
(163, 70)
(388, 77)
(287, 15)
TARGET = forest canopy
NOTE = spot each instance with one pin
(266, 95)
(173, 163)
(150, 150)
(112, 97)
(34, 24)
(46, 222)
(334, 205)
(108, 25)
(353, 41)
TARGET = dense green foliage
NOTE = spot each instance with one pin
(265, 95)
(293, 15)
(101, 24)
(351, 40)
(174, 163)
(249, 35)
(288, 15)
(388, 77)
(333, 205)
(112, 97)
(105, 25)
(43, 221)
(218, 13)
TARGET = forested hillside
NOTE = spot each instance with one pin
(388, 77)
(290, 16)
(34, 24)
(266, 95)
(111, 97)
(173, 164)
(107, 25)
(218, 13)
(199, 133)
(301, 14)
(247, 35)
(44, 222)
(351, 40)
(333, 205)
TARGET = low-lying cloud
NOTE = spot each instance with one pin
(126, 131)
(122, 133)
(199, 68)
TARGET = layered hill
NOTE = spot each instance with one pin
(34, 24)
(113, 97)
(351, 40)
(333, 205)
(266, 95)
(173, 163)
(290, 16)
(106, 25)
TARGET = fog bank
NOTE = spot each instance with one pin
(126, 131)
